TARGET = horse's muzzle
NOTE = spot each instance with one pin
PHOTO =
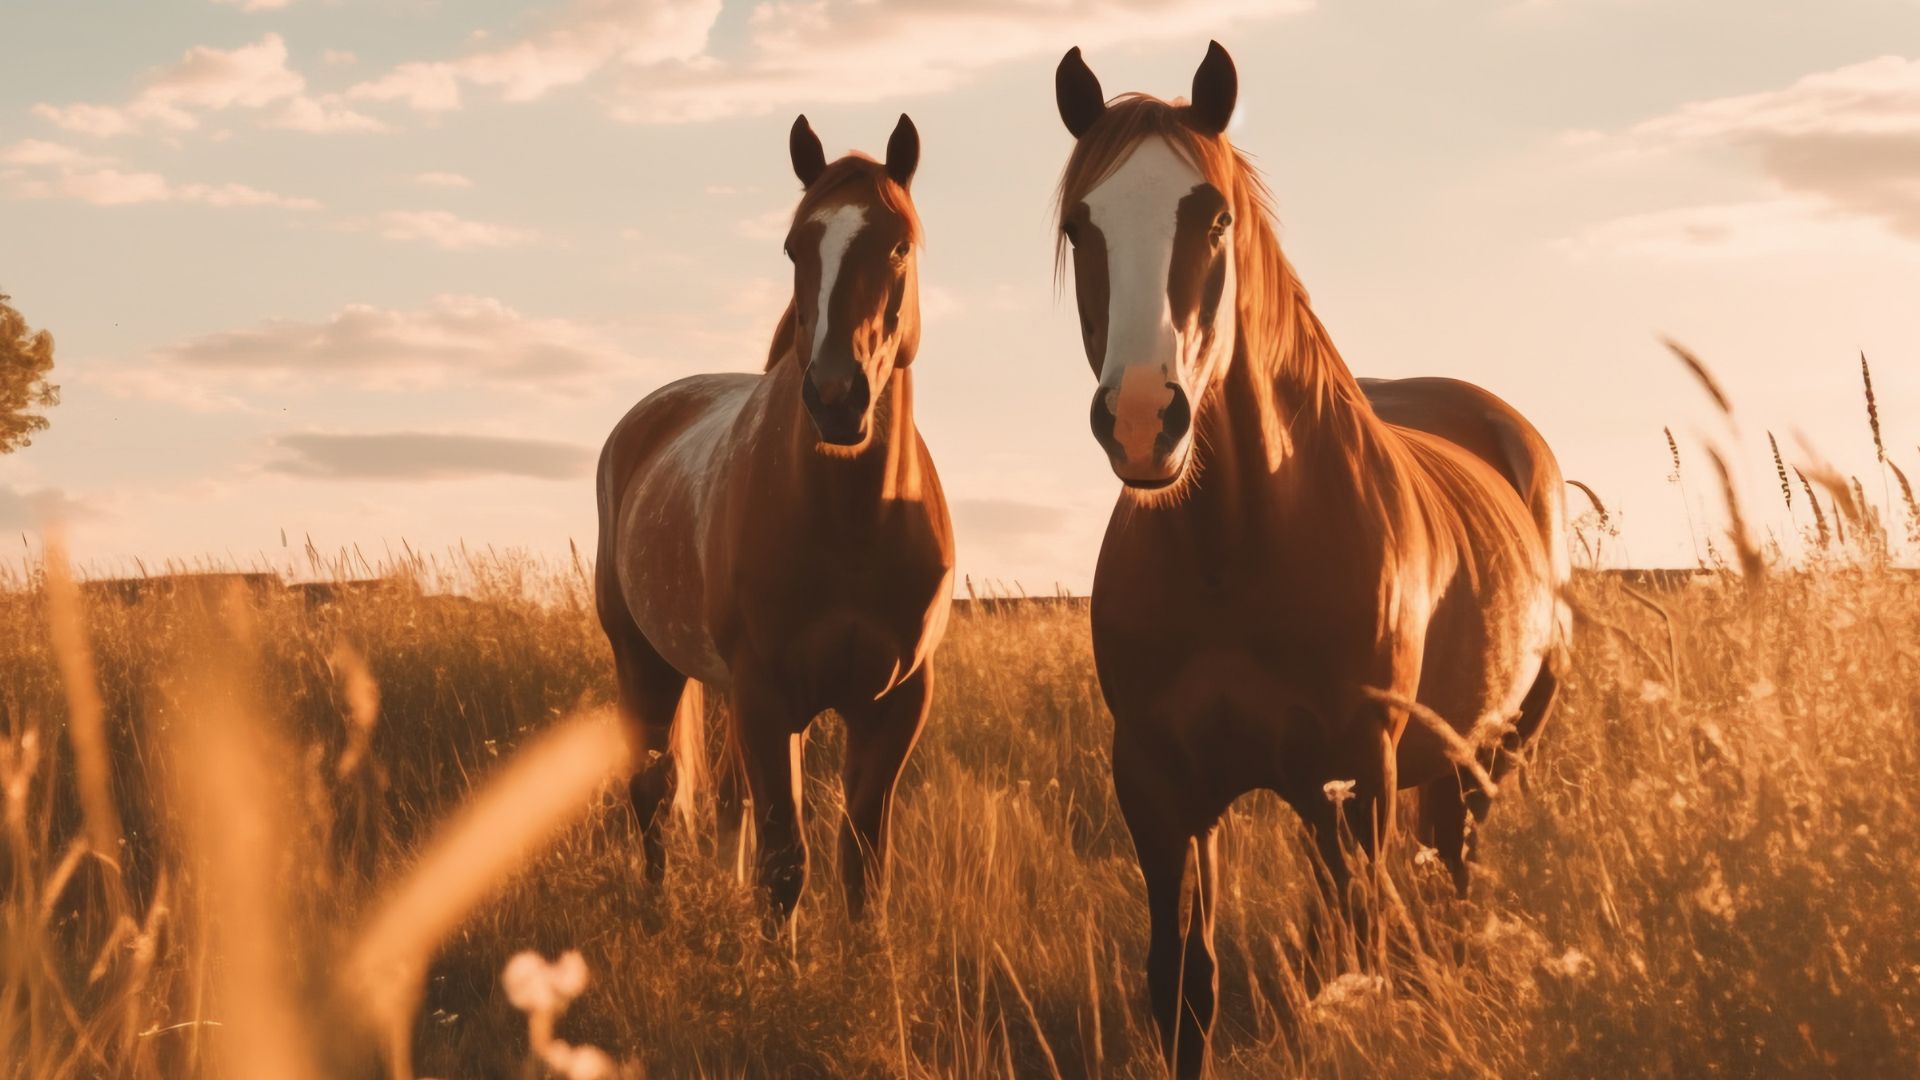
(838, 405)
(1146, 451)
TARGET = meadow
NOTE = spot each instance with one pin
(266, 858)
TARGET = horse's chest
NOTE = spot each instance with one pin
(841, 628)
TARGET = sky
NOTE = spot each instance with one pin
(370, 272)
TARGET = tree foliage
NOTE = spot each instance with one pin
(26, 358)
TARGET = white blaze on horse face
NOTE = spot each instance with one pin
(1137, 212)
(843, 224)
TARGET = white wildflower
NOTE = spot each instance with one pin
(577, 1062)
(1338, 791)
(1572, 964)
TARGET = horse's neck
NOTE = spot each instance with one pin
(1288, 414)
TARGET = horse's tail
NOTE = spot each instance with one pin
(688, 743)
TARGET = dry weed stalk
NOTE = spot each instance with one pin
(492, 835)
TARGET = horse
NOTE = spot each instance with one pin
(1297, 566)
(783, 538)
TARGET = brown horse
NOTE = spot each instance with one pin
(783, 536)
(1286, 570)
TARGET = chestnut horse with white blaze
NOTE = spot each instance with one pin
(1290, 565)
(783, 538)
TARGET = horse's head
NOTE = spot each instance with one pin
(1148, 202)
(856, 289)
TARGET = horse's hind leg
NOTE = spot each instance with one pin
(1179, 864)
(1443, 820)
(1535, 708)
(880, 735)
(649, 693)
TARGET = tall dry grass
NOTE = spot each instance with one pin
(1711, 865)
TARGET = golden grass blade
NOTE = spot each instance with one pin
(1753, 566)
(86, 714)
(228, 774)
(363, 705)
(1705, 377)
(1033, 1018)
(1593, 498)
(543, 788)
(1459, 751)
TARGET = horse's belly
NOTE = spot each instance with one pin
(665, 520)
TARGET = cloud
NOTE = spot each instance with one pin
(461, 339)
(414, 455)
(54, 171)
(807, 53)
(581, 40)
(40, 507)
(256, 5)
(442, 179)
(656, 63)
(451, 232)
(1742, 230)
(1837, 144)
(253, 77)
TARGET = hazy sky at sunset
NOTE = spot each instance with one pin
(371, 271)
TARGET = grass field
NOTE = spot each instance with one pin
(1712, 866)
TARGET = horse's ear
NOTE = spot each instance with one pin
(1216, 86)
(809, 160)
(903, 151)
(1077, 91)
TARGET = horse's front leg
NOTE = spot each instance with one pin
(880, 735)
(770, 730)
(1179, 860)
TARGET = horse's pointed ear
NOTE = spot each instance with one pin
(903, 151)
(809, 160)
(1216, 86)
(1076, 89)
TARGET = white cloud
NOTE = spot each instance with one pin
(1833, 145)
(37, 152)
(206, 80)
(39, 508)
(1766, 227)
(256, 5)
(454, 339)
(424, 87)
(451, 232)
(442, 180)
(322, 116)
(581, 40)
(418, 455)
(804, 53)
(54, 171)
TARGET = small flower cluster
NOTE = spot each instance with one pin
(543, 991)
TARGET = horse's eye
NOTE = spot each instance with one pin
(1225, 219)
(901, 249)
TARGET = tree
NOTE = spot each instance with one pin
(26, 358)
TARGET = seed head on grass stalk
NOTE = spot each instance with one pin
(1752, 566)
(1705, 377)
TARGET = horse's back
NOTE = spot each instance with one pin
(1484, 425)
(659, 473)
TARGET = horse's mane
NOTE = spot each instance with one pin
(1397, 481)
(850, 169)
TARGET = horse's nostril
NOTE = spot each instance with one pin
(1177, 417)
